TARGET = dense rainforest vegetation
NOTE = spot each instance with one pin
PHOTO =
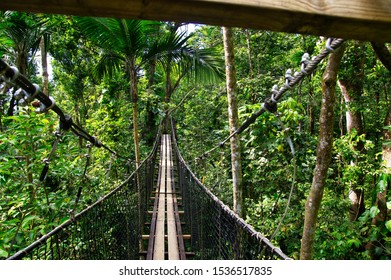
(118, 79)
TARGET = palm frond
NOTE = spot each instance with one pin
(205, 65)
(105, 32)
(172, 51)
(109, 63)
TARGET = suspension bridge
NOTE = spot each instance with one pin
(161, 211)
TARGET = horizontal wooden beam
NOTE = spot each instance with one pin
(368, 20)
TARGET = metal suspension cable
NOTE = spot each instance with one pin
(270, 104)
(32, 91)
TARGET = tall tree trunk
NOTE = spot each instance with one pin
(21, 64)
(323, 157)
(149, 131)
(310, 108)
(44, 63)
(384, 55)
(352, 89)
(134, 93)
(233, 121)
(22, 61)
(350, 94)
(249, 53)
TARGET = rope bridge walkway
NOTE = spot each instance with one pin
(121, 225)
(165, 211)
(162, 211)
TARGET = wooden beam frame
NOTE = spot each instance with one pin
(368, 20)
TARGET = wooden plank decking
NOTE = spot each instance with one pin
(165, 238)
(368, 20)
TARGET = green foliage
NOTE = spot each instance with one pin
(101, 104)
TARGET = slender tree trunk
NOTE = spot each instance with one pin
(323, 157)
(310, 109)
(44, 62)
(233, 121)
(167, 97)
(21, 64)
(386, 149)
(353, 122)
(384, 55)
(249, 53)
(352, 88)
(353, 116)
(134, 93)
(149, 131)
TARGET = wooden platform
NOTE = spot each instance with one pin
(368, 20)
(165, 238)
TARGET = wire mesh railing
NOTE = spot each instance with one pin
(108, 229)
(216, 231)
(112, 227)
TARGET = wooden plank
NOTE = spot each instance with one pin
(165, 203)
(180, 236)
(159, 249)
(147, 236)
(151, 241)
(177, 238)
(173, 251)
(368, 20)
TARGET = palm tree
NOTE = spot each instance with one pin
(131, 44)
(179, 58)
(124, 43)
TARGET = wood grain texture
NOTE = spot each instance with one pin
(172, 243)
(368, 20)
(159, 246)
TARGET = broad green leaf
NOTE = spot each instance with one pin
(27, 220)
(374, 211)
(388, 225)
(382, 184)
(3, 253)
(354, 242)
(389, 205)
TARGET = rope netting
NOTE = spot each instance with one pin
(108, 229)
(216, 231)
